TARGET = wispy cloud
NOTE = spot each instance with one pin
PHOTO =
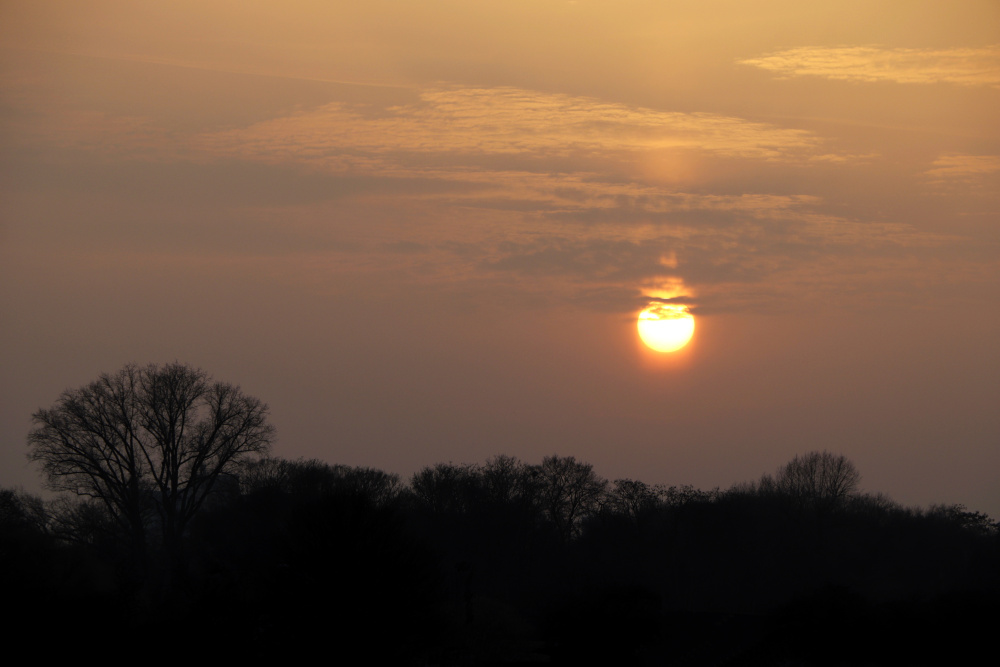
(593, 195)
(511, 190)
(499, 122)
(517, 149)
(964, 167)
(706, 255)
(960, 66)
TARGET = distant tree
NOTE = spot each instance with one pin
(446, 487)
(507, 481)
(311, 479)
(689, 495)
(263, 474)
(377, 486)
(960, 515)
(633, 498)
(570, 491)
(147, 442)
(85, 522)
(820, 479)
(22, 510)
(874, 504)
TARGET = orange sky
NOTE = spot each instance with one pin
(422, 231)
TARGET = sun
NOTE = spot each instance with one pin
(666, 327)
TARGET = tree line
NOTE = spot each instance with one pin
(175, 517)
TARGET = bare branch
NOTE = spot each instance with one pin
(150, 439)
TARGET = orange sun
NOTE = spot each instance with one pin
(666, 327)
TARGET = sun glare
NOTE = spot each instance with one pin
(666, 327)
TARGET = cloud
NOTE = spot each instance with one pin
(500, 121)
(678, 300)
(505, 190)
(744, 251)
(844, 158)
(503, 148)
(586, 197)
(964, 167)
(561, 156)
(959, 66)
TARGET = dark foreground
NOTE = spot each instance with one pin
(507, 563)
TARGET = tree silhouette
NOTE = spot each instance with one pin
(570, 491)
(819, 479)
(632, 498)
(148, 442)
(445, 487)
(506, 481)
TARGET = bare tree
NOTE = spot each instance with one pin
(23, 510)
(570, 491)
(148, 442)
(818, 478)
(507, 481)
(314, 479)
(445, 487)
(633, 498)
(377, 486)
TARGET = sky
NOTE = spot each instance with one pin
(423, 232)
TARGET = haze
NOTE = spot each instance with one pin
(422, 232)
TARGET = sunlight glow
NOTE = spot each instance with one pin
(666, 327)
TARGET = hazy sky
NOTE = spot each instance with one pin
(423, 231)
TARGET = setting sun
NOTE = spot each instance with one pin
(666, 327)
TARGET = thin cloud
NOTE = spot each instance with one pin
(964, 167)
(679, 300)
(959, 66)
(503, 143)
(587, 196)
(703, 254)
(499, 121)
(844, 158)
